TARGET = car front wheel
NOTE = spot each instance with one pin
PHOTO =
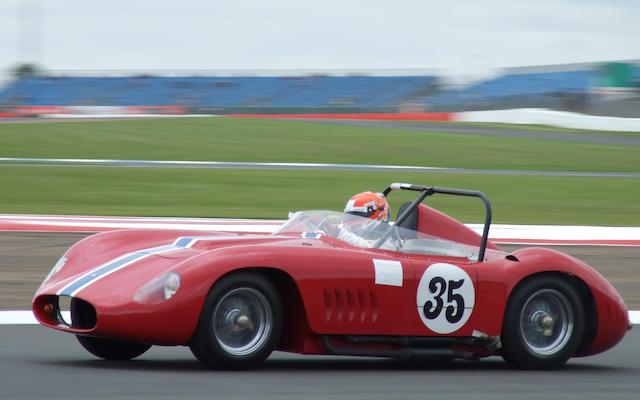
(543, 325)
(240, 323)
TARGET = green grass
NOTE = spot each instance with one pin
(228, 139)
(271, 194)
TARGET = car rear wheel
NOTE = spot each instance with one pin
(110, 349)
(240, 323)
(543, 325)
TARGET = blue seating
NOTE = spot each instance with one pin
(522, 85)
(281, 92)
(307, 91)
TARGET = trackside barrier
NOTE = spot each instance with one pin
(419, 116)
(530, 116)
(543, 116)
(98, 111)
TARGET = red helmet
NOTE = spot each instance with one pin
(368, 205)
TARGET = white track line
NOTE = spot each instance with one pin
(300, 166)
(500, 233)
(38, 217)
(17, 318)
(89, 226)
(27, 318)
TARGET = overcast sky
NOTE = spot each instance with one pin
(456, 37)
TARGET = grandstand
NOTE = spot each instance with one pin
(562, 88)
(518, 86)
(217, 92)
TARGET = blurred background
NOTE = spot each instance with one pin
(605, 88)
(248, 56)
(536, 103)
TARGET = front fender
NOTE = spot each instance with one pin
(97, 249)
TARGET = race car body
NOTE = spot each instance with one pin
(425, 287)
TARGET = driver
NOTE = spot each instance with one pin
(362, 232)
(369, 205)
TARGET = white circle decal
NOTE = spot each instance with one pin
(445, 297)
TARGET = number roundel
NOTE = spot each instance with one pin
(445, 297)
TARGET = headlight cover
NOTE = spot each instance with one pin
(171, 285)
(56, 268)
(158, 289)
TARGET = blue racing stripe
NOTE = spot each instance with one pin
(183, 242)
(105, 269)
(111, 266)
(120, 262)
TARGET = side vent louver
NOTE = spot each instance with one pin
(350, 306)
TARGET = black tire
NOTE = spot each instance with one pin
(240, 324)
(110, 349)
(543, 325)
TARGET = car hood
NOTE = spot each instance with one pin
(105, 254)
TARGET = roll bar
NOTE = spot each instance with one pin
(426, 191)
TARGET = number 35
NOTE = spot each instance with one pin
(455, 302)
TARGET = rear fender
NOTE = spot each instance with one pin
(497, 283)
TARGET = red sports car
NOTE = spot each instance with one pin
(425, 287)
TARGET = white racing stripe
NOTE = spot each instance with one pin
(27, 318)
(101, 271)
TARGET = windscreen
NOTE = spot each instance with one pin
(366, 233)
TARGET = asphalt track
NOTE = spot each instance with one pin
(40, 363)
(37, 362)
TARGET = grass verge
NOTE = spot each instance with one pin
(229, 139)
(271, 194)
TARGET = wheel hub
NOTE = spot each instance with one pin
(543, 322)
(546, 322)
(238, 321)
(242, 321)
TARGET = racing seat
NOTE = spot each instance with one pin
(412, 221)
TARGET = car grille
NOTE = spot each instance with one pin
(76, 313)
